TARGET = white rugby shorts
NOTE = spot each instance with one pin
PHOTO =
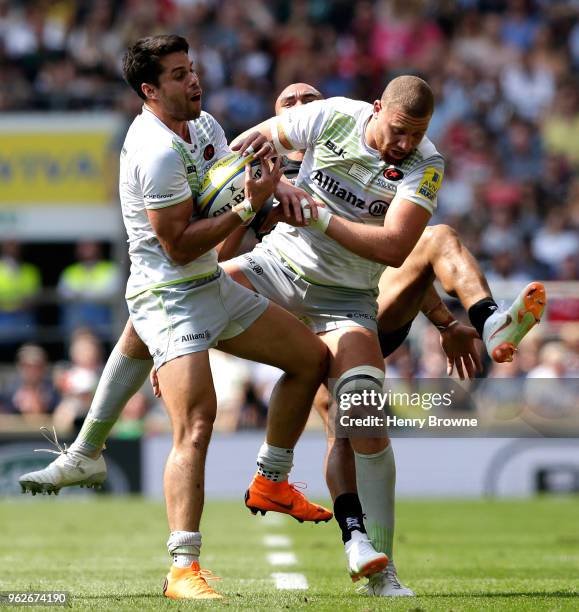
(193, 316)
(320, 307)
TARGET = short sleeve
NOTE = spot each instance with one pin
(303, 124)
(221, 147)
(422, 184)
(163, 179)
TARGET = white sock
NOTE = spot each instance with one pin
(122, 377)
(376, 479)
(185, 547)
(274, 463)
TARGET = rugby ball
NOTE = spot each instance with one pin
(223, 185)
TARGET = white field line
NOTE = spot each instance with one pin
(284, 581)
(274, 541)
(273, 518)
(281, 558)
(290, 581)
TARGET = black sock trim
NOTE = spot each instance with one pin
(479, 312)
(349, 515)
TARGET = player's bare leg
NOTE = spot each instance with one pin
(187, 388)
(440, 253)
(303, 358)
(295, 350)
(82, 464)
(339, 466)
(356, 366)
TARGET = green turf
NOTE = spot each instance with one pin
(109, 553)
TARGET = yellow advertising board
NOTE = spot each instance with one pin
(67, 160)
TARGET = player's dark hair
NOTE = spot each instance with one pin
(142, 60)
(411, 95)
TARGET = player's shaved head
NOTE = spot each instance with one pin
(409, 94)
(296, 93)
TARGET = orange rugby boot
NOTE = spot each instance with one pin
(503, 331)
(265, 495)
(189, 583)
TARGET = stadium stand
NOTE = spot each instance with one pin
(506, 78)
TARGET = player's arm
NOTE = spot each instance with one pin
(274, 140)
(258, 137)
(435, 310)
(405, 220)
(184, 241)
(231, 245)
(268, 139)
(390, 244)
(456, 339)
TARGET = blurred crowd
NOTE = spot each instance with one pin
(505, 74)
(86, 291)
(544, 377)
(506, 79)
(40, 392)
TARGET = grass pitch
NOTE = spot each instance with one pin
(109, 554)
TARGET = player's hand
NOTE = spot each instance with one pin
(154, 379)
(459, 342)
(258, 190)
(254, 144)
(293, 201)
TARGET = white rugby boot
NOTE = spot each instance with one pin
(70, 468)
(386, 584)
(503, 331)
(362, 557)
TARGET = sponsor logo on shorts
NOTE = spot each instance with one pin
(208, 152)
(254, 265)
(204, 335)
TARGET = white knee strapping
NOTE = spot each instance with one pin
(358, 379)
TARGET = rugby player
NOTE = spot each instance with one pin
(362, 160)
(181, 303)
(457, 339)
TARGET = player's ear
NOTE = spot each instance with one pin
(377, 107)
(149, 91)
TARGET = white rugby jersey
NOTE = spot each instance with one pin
(342, 171)
(159, 169)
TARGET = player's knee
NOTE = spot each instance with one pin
(338, 447)
(313, 366)
(439, 235)
(195, 431)
(201, 435)
(362, 382)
